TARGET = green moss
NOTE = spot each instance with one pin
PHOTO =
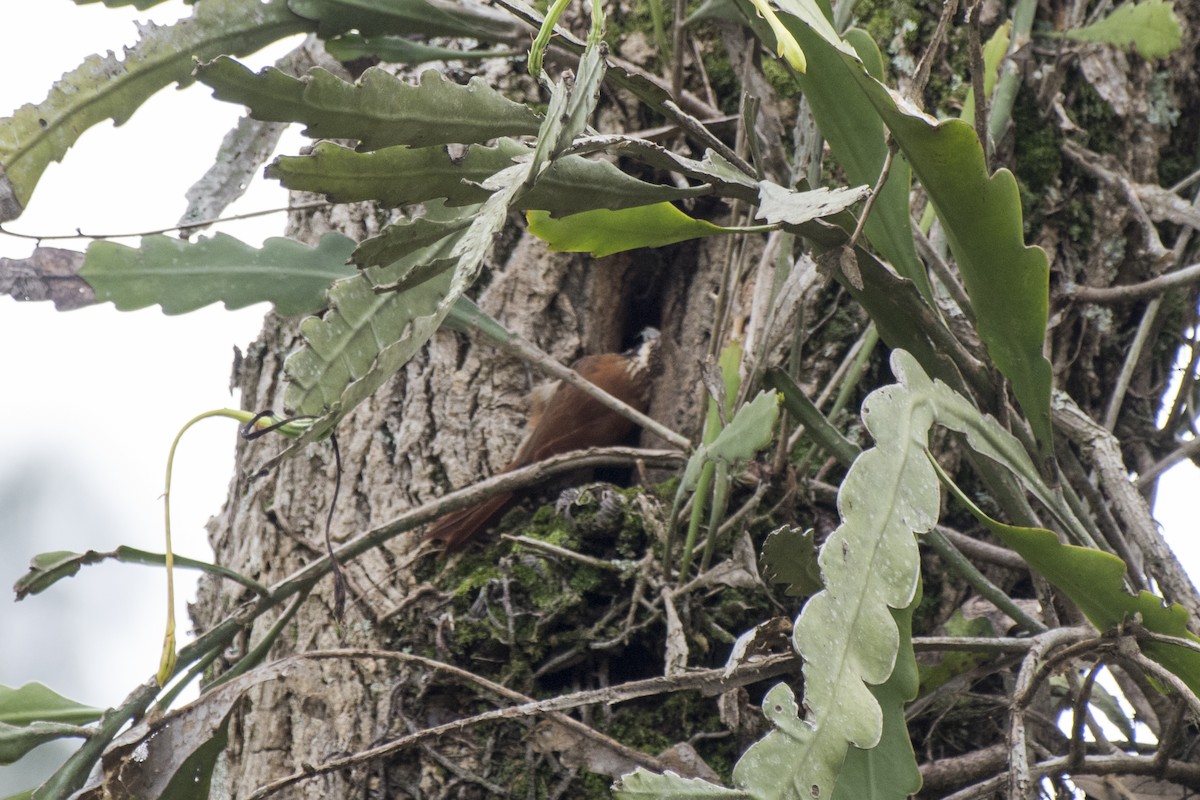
(1096, 116)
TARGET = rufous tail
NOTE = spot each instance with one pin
(458, 528)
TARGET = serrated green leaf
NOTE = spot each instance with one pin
(889, 769)
(35, 702)
(404, 17)
(1007, 281)
(1151, 27)
(846, 633)
(789, 556)
(362, 340)
(379, 109)
(602, 232)
(398, 176)
(111, 88)
(398, 50)
(181, 276)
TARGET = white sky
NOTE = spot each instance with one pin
(90, 399)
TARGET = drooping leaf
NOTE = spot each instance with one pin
(602, 232)
(399, 50)
(1095, 582)
(111, 88)
(1150, 27)
(401, 175)
(380, 110)
(243, 151)
(405, 17)
(182, 276)
(789, 556)
(1007, 281)
(35, 702)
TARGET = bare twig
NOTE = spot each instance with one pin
(932, 52)
(1117, 398)
(78, 234)
(1187, 276)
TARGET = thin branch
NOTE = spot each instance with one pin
(78, 234)
(971, 574)
(712, 680)
(1182, 453)
(933, 51)
(1117, 398)
(1186, 276)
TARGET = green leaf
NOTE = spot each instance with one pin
(17, 741)
(112, 88)
(1007, 281)
(749, 431)
(47, 569)
(402, 238)
(379, 110)
(789, 556)
(1151, 27)
(398, 50)
(777, 204)
(398, 176)
(888, 770)
(182, 276)
(1095, 582)
(363, 339)
(35, 702)
(644, 785)
(603, 232)
(428, 17)
(846, 633)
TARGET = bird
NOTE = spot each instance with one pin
(569, 419)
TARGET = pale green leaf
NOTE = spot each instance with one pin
(777, 204)
(181, 276)
(1151, 27)
(399, 239)
(113, 88)
(363, 339)
(846, 633)
(643, 785)
(749, 431)
(602, 232)
(380, 110)
(37, 702)
(140, 5)
(889, 769)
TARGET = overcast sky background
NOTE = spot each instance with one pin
(91, 399)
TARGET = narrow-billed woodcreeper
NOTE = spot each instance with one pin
(570, 420)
